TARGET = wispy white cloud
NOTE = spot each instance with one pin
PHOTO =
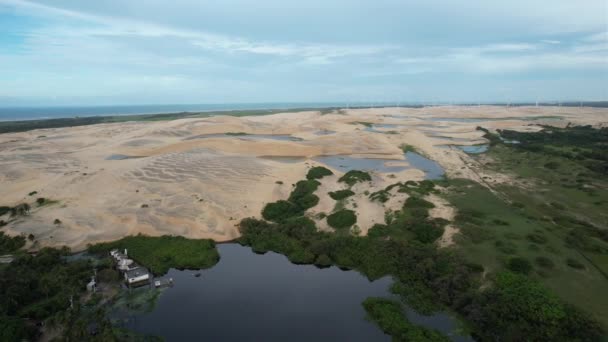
(117, 27)
(116, 49)
(512, 57)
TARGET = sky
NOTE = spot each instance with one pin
(74, 52)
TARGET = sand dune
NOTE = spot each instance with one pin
(188, 178)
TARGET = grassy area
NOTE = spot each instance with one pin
(552, 219)
(161, 253)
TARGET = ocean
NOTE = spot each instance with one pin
(34, 113)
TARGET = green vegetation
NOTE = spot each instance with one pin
(408, 148)
(35, 288)
(300, 199)
(161, 253)
(342, 219)
(539, 314)
(552, 215)
(519, 265)
(237, 133)
(341, 194)
(354, 176)
(280, 211)
(579, 143)
(363, 123)
(28, 125)
(20, 210)
(4, 210)
(10, 244)
(389, 316)
(318, 172)
(41, 201)
(380, 196)
(503, 228)
(436, 277)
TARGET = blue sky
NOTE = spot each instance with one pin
(74, 52)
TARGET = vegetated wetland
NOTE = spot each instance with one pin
(511, 241)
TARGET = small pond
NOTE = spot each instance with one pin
(324, 132)
(474, 149)
(252, 297)
(374, 127)
(347, 163)
(431, 168)
(245, 136)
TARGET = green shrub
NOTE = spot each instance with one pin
(544, 262)
(500, 222)
(575, 264)
(342, 219)
(552, 165)
(505, 247)
(354, 176)
(518, 308)
(10, 244)
(519, 265)
(418, 202)
(323, 261)
(280, 211)
(426, 231)
(381, 196)
(318, 172)
(537, 238)
(378, 230)
(340, 194)
(407, 148)
(389, 316)
(4, 210)
(302, 196)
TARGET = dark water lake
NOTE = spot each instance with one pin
(252, 297)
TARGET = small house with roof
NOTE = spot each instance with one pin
(137, 275)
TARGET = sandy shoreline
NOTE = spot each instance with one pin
(189, 179)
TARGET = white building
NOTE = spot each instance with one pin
(137, 275)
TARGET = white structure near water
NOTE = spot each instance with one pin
(133, 273)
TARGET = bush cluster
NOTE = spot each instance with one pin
(318, 172)
(342, 219)
(355, 176)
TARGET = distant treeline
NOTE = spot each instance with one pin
(28, 125)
